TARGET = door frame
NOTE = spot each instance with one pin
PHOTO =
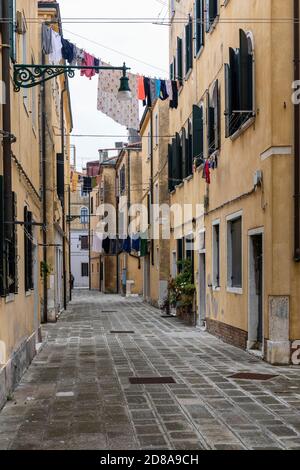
(201, 253)
(251, 233)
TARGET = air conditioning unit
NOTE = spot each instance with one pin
(20, 23)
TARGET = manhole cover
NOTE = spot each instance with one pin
(108, 311)
(113, 332)
(252, 376)
(151, 380)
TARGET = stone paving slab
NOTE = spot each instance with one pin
(77, 394)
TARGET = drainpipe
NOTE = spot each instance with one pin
(117, 232)
(44, 193)
(62, 126)
(6, 116)
(297, 134)
(70, 245)
(151, 189)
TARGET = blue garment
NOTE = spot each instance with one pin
(157, 87)
(136, 244)
(127, 245)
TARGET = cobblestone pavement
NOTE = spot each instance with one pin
(77, 395)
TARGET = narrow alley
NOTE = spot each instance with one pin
(77, 393)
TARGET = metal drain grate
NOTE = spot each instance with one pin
(113, 332)
(108, 311)
(168, 316)
(252, 376)
(151, 380)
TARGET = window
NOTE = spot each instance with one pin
(84, 215)
(156, 130)
(149, 145)
(12, 29)
(92, 205)
(179, 254)
(84, 240)
(198, 135)
(187, 150)
(234, 247)
(84, 269)
(28, 250)
(239, 85)
(199, 26)
(211, 13)
(189, 46)
(213, 119)
(175, 162)
(60, 177)
(189, 251)
(216, 254)
(122, 177)
(33, 103)
(179, 61)
(25, 91)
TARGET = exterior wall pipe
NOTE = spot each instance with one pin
(6, 116)
(297, 134)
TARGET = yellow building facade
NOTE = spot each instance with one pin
(129, 192)
(23, 225)
(155, 264)
(235, 110)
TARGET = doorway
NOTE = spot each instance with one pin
(202, 289)
(256, 285)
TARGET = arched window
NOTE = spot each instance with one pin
(84, 215)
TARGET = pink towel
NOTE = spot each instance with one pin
(88, 60)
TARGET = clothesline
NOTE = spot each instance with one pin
(144, 89)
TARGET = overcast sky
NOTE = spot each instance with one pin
(144, 42)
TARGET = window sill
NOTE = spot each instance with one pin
(242, 129)
(216, 289)
(180, 185)
(188, 178)
(10, 298)
(235, 290)
(188, 74)
(214, 24)
(28, 293)
(199, 53)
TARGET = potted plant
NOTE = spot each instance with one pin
(182, 291)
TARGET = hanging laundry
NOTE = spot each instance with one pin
(141, 88)
(88, 61)
(147, 101)
(169, 89)
(157, 86)
(56, 54)
(96, 64)
(98, 242)
(46, 39)
(106, 244)
(174, 101)
(153, 89)
(144, 247)
(125, 113)
(163, 90)
(67, 50)
(136, 243)
(206, 172)
(127, 245)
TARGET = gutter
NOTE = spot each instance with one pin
(297, 135)
(6, 116)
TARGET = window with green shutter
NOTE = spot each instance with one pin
(12, 29)
(212, 11)
(198, 135)
(179, 61)
(3, 290)
(199, 25)
(213, 119)
(239, 86)
(189, 46)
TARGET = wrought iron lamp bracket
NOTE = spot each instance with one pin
(29, 76)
